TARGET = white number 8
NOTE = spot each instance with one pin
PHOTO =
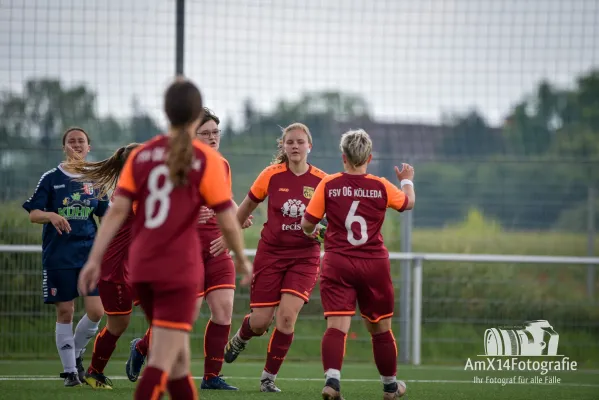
(353, 218)
(158, 198)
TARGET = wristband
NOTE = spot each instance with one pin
(405, 182)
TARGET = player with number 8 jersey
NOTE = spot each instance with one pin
(356, 264)
(170, 177)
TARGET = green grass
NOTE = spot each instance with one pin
(39, 379)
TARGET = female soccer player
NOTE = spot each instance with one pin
(114, 290)
(356, 263)
(170, 177)
(287, 262)
(219, 282)
(67, 207)
(219, 270)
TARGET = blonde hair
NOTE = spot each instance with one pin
(281, 157)
(357, 147)
(104, 174)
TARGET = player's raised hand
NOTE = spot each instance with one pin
(406, 172)
(205, 215)
(60, 223)
(88, 277)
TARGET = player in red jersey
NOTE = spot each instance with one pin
(170, 177)
(219, 272)
(113, 287)
(356, 263)
(287, 262)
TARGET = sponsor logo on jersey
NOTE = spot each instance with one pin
(75, 208)
(308, 192)
(293, 208)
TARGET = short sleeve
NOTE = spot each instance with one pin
(396, 199)
(259, 189)
(126, 186)
(214, 187)
(315, 210)
(41, 196)
(228, 175)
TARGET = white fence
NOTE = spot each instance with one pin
(410, 311)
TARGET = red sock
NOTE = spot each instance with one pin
(245, 332)
(103, 347)
(144, 344)
(215, 340)
(182, 389)
(333, 349)
(385, 353)
(152, 384)
(277, 350)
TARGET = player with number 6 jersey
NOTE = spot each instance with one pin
(356, 264)
(170, 177)
(287, 261)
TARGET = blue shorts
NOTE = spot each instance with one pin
(60, 285)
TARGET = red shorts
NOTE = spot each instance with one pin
(219, 273)
(168, 305)
(345, 280)
(116, 298)
(273, 276)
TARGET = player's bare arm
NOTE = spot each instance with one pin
(44, 217)
(405, 177)
(245, 210)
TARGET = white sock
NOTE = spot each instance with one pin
(332, 373)
(388, 379)
(266, 375)
(85, 330)
(66, 346)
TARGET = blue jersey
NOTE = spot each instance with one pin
(59, 193)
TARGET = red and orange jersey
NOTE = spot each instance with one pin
(355, 207)
(165, 245)
(288, 195)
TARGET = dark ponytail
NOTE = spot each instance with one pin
(183, 106)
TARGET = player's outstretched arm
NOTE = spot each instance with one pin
(245, 210)
(405, 177)
(113, 220)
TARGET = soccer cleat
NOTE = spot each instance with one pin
(233, 348)
(394, 390)
(80, 369)
(135, 362)
(98, 381)
(71, 379)
(268, 385)
(216, 383)
(332, 390)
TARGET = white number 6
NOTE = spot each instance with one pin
(159, 197)
(353, 218)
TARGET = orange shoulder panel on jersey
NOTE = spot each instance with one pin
(316, 205)
(260, 187)
(213, 186)
(317, 172)
(396, 199)
(126, 181)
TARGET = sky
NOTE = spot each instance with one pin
(412, 61)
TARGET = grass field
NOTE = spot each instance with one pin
(39, 379)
